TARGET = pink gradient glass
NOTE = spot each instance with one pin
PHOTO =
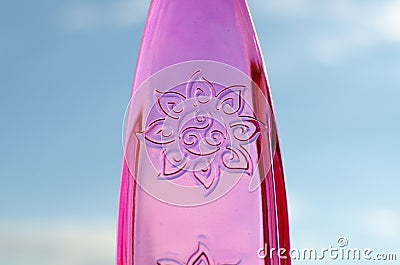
(202, 177)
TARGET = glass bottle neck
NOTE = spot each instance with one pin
(186, 30)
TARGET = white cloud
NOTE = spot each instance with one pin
(387, 21)
(61, 243)
(330, 49)
(124, 13)
(299, 209)
(118, 14)
(382, 223)
(349, 27)
(287, 9)
(356, 28)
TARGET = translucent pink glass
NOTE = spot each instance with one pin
(202, 178)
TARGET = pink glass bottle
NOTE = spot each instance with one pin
(202, 178)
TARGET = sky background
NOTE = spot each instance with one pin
(66, 69)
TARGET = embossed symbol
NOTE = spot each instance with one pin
(201, 256)
(198, 130)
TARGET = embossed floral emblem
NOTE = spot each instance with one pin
(201, 256)
(199, 130)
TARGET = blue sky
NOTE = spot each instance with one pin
(66, 70)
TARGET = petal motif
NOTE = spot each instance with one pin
(201, 256)
(159, 133)
(246, 129)
(236, 159)
(173, 164)
(200, 88)
(230, 99)
(171, 103)
(169, 262)
(206, 175)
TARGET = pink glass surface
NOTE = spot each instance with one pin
(200, 124)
